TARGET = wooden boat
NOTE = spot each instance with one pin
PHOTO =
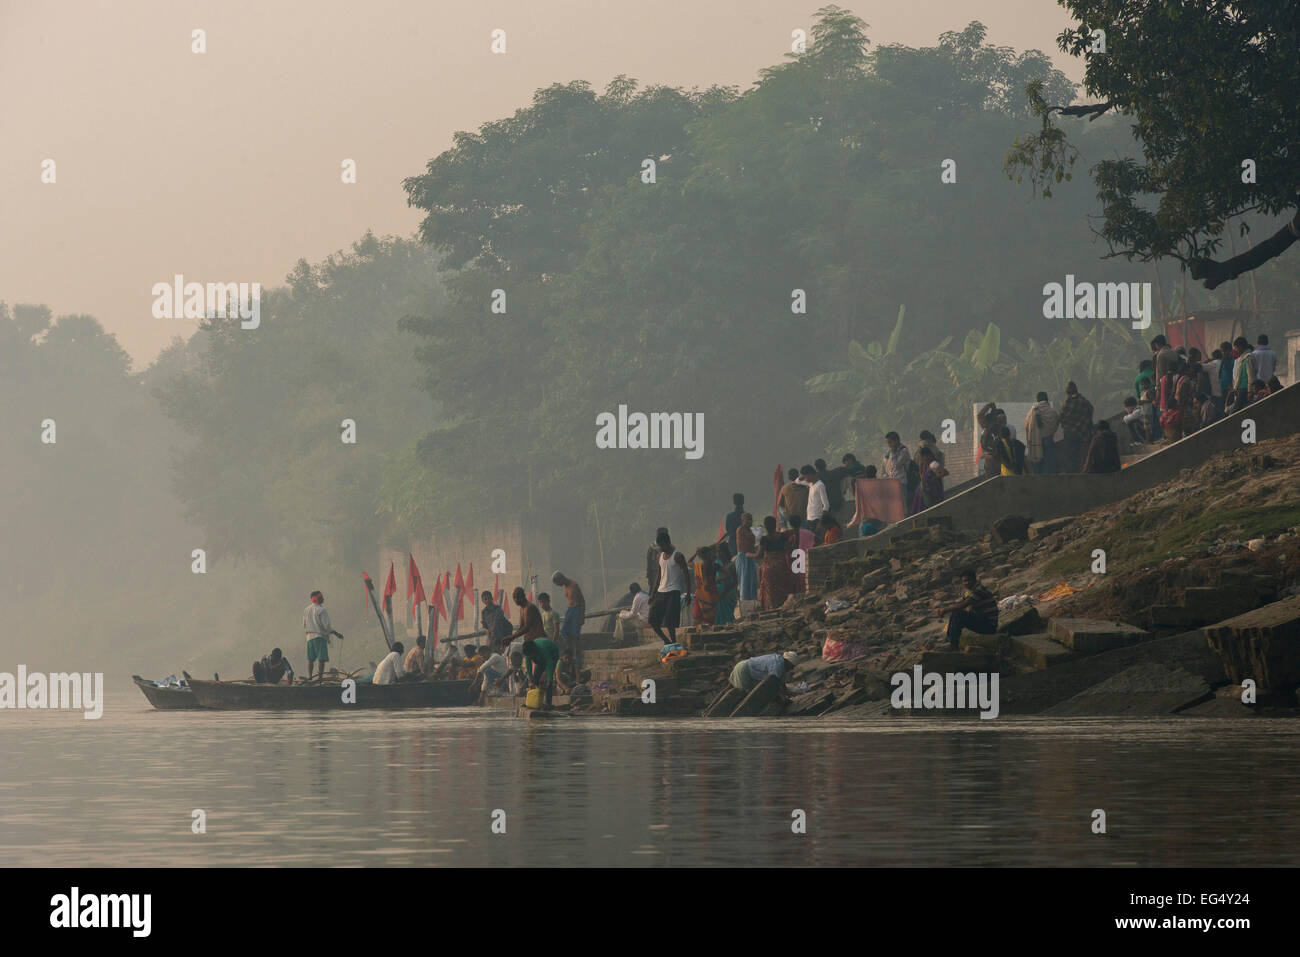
(166, 699)
(316, 696)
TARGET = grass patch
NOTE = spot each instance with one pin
(1128, 537)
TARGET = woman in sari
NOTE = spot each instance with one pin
(727, 587)
(746, 566)
(777, 580)
(706, 587)
(930, 491)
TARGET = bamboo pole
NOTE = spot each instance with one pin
(601, 546)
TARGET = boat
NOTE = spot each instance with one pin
(166, 697)
(317, 696)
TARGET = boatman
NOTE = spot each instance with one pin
(316, 623)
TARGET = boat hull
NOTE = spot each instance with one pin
(240, 696)
(166, 699)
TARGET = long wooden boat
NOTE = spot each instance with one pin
(243, 696)
(166, 699)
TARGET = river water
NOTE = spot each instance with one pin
(424, 787)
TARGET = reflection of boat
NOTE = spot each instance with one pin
(242, 696)
(165, 698)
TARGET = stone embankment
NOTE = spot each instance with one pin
(1181, 599)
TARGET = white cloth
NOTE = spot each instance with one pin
(640, 608)
(818, 501)
(1211, 369)
(496, 663)
(1265, 363)
(672, 577)
(316, 621)
(389, 670)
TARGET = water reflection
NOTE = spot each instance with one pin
(421, 788)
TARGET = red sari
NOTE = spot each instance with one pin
(777, 582)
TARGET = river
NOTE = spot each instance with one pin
(425, 787)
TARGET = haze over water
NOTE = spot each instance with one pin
(419, 788)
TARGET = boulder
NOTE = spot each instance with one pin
(1021, 620)
(1039, 530)
(1011, 528)
(1263, 645)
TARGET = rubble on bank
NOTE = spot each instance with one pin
(1219, 541)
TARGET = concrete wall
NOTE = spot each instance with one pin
(1041, 497)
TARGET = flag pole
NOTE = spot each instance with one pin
(601, 546)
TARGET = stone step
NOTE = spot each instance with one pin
(1091, 636)
(954, 662)
(1040, 651)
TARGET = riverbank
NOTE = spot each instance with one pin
(1172, 601)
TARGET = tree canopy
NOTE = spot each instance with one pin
(1210, 89)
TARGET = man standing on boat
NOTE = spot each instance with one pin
(316, 623)
(571, 628)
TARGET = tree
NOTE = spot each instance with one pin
(1209, 86)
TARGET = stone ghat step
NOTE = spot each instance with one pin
(1091, 636)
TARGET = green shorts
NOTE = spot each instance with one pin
(741, 679)
(318, 649)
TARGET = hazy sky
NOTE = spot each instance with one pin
(225, 166)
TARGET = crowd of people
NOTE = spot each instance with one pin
(1178, 391)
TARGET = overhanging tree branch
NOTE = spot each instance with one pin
(1215, 274)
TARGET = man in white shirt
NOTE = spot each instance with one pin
(631, 620)
(316, 623)
(1265, 360)
(818, 501)
(390, 669)
(491, 672)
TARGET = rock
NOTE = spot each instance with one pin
(1256, 544)
(848, 698)
(1263, 645)
(1021, 620)
(1149, 688)
(725, 702)
(812, 703)
(1011, 528)
(1091, 636)
(1039, 530)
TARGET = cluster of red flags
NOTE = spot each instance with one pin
(439, 600)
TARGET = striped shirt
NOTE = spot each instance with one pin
(982, 602)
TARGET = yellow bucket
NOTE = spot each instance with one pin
(534, 698)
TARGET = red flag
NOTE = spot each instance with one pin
(390, 589)
(496, 592)
(776, 487)
(469, 584)
(437, 607)
(722, 530)
(415, 586)
(460, 595)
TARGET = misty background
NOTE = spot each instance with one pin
(773, 172)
